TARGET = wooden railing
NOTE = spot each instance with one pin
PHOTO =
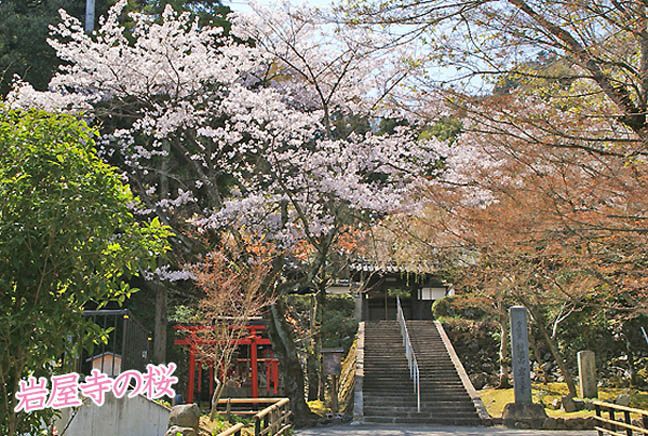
(409, 353)
(274, 420)
(616, 425)
(235, 430)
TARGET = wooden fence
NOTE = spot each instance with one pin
(619, 422)
(274, 420)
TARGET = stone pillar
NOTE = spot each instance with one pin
(89, 15)
(587, 374)
(520, 355)
(357, 298)
(365, 306)
(522, 413)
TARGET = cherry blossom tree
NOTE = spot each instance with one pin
(217, 134)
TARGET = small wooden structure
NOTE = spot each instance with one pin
(253, 340)
(108, 362)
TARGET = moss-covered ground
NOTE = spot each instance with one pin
(496, 399)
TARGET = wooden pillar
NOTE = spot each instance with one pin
(192, 368)
(253, 359)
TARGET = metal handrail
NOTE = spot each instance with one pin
(412, 363)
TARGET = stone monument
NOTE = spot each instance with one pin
(587, 374)
(522, 411)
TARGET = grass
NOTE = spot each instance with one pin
(496, 399)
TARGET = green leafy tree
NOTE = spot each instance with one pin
(67, 238)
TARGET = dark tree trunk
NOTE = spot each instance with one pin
(292, 375)
(161, 321)
(321, 380)
(312, 366)
(313, 379)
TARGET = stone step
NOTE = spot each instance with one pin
(387, 380)
(426, 406)
(388, 390)
(404, 396)
(405, 376)
(408, 384)
(426, 392)
(404, 373)
(386, 365)
(450, 404)
(426, 389)
(426, 411)
(449, 420)
(459, 404)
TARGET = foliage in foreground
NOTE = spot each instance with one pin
(67, 238)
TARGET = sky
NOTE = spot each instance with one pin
(242, 5)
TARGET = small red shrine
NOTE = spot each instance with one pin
(253, 340)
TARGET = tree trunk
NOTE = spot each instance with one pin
(553, 349)
(313, 380)
(311, 359)
(321, 381)
(536, 352)
(161, 321)
(504, 371)
(220, 387)
(291, 370)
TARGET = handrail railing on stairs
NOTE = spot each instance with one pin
(412, 363)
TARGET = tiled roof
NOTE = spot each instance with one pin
(418, 266)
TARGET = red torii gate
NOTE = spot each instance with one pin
(253, 339)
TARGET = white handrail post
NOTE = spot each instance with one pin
(412, 363)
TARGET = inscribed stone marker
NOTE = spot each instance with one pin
(587, 374)
(520, 355)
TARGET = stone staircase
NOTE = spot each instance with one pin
(388, 393)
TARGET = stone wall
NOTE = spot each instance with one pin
(477, 345)
(137, 416)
